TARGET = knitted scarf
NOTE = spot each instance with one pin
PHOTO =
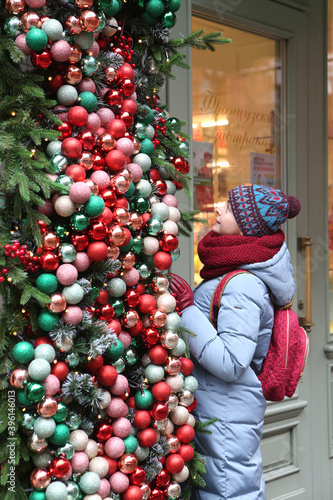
(223, 253)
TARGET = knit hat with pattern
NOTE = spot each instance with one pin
(260, 210)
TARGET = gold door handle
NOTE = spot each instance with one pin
(305, 244)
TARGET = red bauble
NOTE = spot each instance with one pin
(109, 197)
(97, 251)
(77, 116)
(130, 106)
(97, 230)
(106, 216)
(76, 172)
(60, 370)
(174, 463)
(55, 83)
(186, 366)
(107, 375)
(133, 492)
(131, 297)
(147, 437)
(121, 203)
(162, 479)
(127, 87)
(185, 433)
(145, 218)
(140, 288)
(138, 476)
(98, 160)
(115, 326)
(162, 260)
(103, 297)
(127, 118)
(156, 494)
(65, 129)
(150, 335)
(192, 406)
(127, 238)
(41, 60)
(136, 330)
(178, 184)
(113, 97)
(107, 312)
(115, 160)
(169, 242)
(147, 303)
(142, 419)
(116, 128)
(187, 452)
(87, 140)
(160, 187)
(161, 391)
(113, 464)
(130, 402)
(157, 354)
(59, 467)
(71, 147)
(80, 241)
(103, 431)
(159, 411)
(94, 364)
(125, 71)
(181, 164)
(42, 340)
(49, 261)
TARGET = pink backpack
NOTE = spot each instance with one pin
(284, 364)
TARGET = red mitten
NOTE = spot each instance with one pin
(182, 290)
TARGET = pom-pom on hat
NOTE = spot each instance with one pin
(260, 210)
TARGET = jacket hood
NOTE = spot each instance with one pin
(277, 273)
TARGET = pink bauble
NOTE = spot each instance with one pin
(174, 214)
(68, 475)
(80, 461)
(131, 276)
(120, 386)
(46, 209)
(93, 123)
(106, 115)
(119, 482)
(52, 385)
(21, 43)
(104, 488)
(61, 112)
(170, 227)
(67, 274)
(35, 4)
(80, 192)
(94, 49)
(125, 145)
(136, 171)
(125, 339)
(82, 261)
(121, 427)
(101, 178)
(117, 408)
(73, 315)
(61, 51)
(114, 447)
(103, 91)
(151, 245)
(86, 85)
(170, 200)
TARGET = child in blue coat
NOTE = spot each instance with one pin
(246, 235)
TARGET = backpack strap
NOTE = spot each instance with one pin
(218, 292)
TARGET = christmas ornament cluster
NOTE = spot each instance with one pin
(103, 385)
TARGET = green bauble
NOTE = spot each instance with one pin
(66, 181)
(142, 453)
(79, 221)
(61, 231)
(36, 39)
(68, 450)
(148, 118)
(94, 206)
(154, 373)
(44, 427)
(47, 283)
(56, 491)
(155, 226)
(67, 95)
(144, 188)
(191, 383)
(61, 413)
(131, 356)
(23, 352)
(45, 351)
(179, 349)
(73, 491)
(115, 351)
(142, 204)
(174, 5)
(184, 147)
(47, 320)
(144, 270)
(169, 19)
(67, 253)
(143, 399)
(130, 191)
(141, 130)
(39, 369)
(131, 444)
(155, 8)
(59, 162)
(90, 483)
(27, 421)
(118, 307)
(60, 435)
(34, 392)
(119, 365)
(37, 495)
(143, 160)
(22, 398)
(53, 148)
(105, 4)
(150, 132)
(73, 293)
(160, 210)
(84, 40)
(147, 147)
(89, 65)
(128, 247)
(53, 29)
(114, 9)
(102, 21)
(88, 101)
(12, 26)
(137, 244)
(116, 287)
(173, 322)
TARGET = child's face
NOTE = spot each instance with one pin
(225, 221)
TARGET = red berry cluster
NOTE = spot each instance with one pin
(21, 252)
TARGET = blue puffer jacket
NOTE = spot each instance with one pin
(228, 387)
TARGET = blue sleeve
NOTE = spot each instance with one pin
(228, 351)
